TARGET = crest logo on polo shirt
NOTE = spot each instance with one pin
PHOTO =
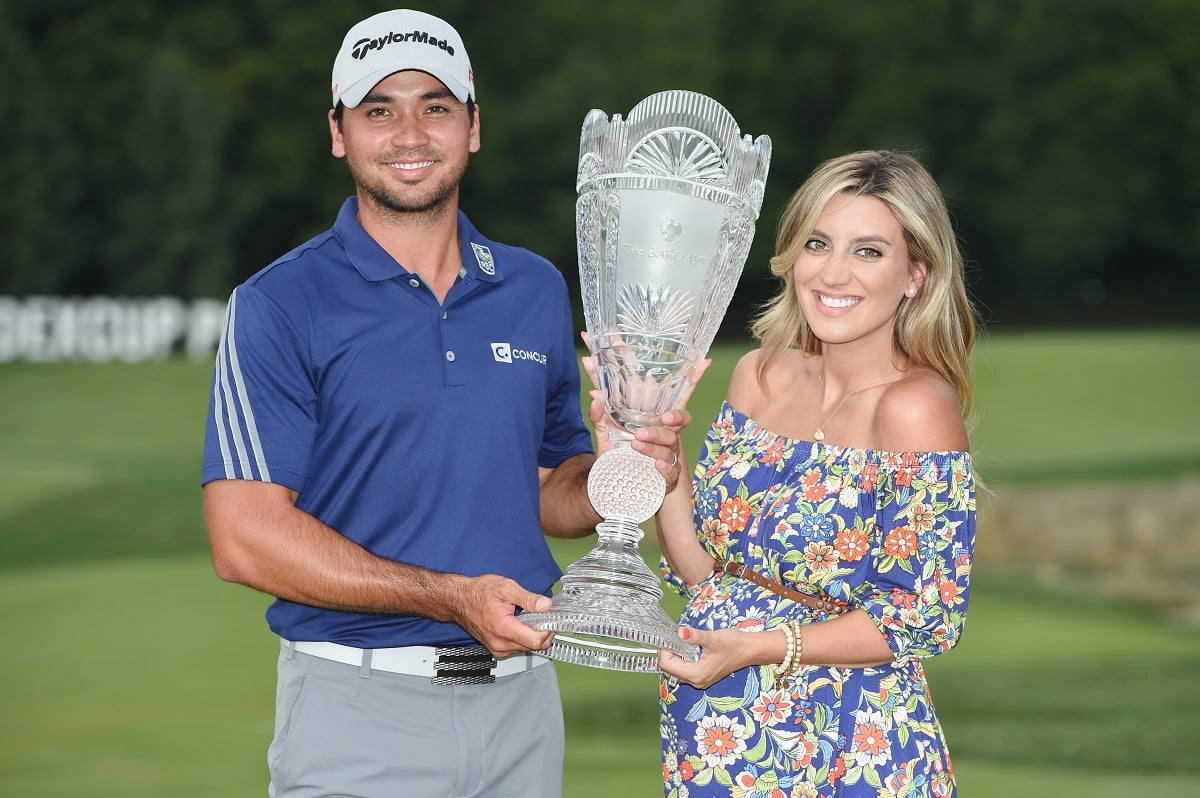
(502, 353)
(484, 256)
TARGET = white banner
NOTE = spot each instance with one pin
(99, 329)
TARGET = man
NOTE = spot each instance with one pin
(394, 421)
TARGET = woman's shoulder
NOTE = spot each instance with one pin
(920, 413)
(748, 391)
(744, 388)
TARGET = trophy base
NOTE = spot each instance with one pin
(607, 614)
(616, 641)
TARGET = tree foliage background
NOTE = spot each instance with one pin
(178, 147)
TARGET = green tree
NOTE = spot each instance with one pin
(181, 147)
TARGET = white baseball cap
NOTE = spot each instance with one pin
(394, 41)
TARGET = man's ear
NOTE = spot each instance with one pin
(474, 142)
(336, 145)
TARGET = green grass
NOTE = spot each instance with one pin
(1073, 407)
(100, 461)
(149, 677)
(131, 670)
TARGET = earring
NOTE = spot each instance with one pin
(910, 292)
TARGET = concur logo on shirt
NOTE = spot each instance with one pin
(504, 353)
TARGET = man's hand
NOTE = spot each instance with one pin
(486, 607)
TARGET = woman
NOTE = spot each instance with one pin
(837, 475)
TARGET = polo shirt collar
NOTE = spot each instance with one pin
(479, 263)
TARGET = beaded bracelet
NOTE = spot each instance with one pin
(797, 631)
(785, 668)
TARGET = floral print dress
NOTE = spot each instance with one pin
(889, 533)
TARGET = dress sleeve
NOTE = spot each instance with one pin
(708, 495)
(925, 512)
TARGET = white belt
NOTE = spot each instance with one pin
(448, 665)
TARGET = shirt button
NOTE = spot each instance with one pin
(450, 356)
(414, 282)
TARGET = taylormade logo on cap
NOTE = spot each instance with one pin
(395, 41)
(364, 46)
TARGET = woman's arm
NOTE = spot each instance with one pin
(675, 521)
(847, 641)
(918, 602)
(677, 534)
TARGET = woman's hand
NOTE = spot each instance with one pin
(660, 442)
(722, 652)
(597, 413)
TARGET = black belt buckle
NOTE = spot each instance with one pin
(463, 665)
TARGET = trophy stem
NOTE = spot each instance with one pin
(614, 561)
(619, 436)
(607, 614)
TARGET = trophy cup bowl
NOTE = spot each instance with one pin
(665, 218)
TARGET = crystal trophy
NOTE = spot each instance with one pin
(668, 199)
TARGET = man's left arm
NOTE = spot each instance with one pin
(565, 508)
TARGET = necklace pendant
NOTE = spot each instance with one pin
(819, 435)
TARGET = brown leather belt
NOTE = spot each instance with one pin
(821, 602)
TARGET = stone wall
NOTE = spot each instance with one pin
(1137, 541)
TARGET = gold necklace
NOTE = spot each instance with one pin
(819, 433)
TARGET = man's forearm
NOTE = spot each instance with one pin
(260, 539)
(565, 508)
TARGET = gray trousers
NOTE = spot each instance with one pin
(342, 731)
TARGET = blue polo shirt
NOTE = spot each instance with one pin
(411, 427)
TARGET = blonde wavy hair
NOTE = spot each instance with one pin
(937, 327)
